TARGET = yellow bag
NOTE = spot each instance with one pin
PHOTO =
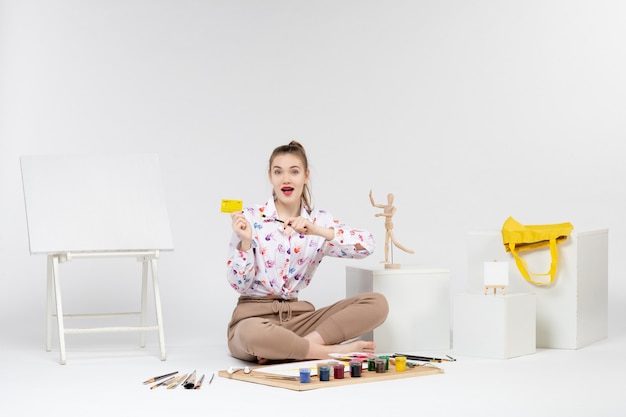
(518, 237)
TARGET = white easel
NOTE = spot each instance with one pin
(64, 194)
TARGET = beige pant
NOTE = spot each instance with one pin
(274, 328)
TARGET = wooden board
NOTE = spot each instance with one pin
(257, 376)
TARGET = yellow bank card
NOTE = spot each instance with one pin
(230, 206)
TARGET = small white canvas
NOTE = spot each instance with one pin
(496, 273)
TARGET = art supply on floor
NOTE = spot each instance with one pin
(400, 363)
(324, 373)
(371, 364)
(199, 383)
(352, 356)
(291, 370)
(287, 378)
(187, 380)
(157, 378)
(190, 382)
(305, 375)
(355, 369)
(319, 365)
(379, 365)
(163, 383)
(339, 370)
(233, 369)
(176, 382)
(386, 358)
(448, 358)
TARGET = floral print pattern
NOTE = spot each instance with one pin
(280, 264)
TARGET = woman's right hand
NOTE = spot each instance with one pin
(242, 227)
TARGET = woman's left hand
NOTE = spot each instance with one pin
(300, 225)
(306, 227)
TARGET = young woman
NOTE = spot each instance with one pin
(273, 253)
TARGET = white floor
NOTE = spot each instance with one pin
(105, 378)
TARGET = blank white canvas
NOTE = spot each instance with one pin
(85, 203)
(496, 273)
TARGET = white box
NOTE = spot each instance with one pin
(494, 326)
(572, 312)
(419, 306)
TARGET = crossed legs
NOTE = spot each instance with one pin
(311, 334)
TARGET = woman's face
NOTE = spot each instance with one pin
(288, 177)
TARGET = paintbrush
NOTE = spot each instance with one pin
(164, 382)
(191, 381)
(176, 382)
(157, 378)
(199, 383)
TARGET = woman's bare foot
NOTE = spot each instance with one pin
(356, 346)
(319, 350)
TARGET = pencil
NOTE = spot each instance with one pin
(156, 378)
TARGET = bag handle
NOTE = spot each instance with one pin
(523, 267)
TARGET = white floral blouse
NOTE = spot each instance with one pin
(280, 264)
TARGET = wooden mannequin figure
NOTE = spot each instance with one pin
(388, 211)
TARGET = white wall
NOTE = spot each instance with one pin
(468, 111)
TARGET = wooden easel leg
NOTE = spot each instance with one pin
(157, 305)
(59, 308)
